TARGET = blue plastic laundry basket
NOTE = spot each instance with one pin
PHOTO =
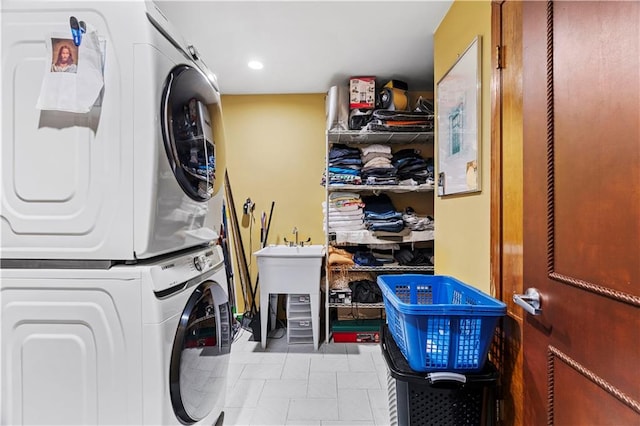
(438, 322)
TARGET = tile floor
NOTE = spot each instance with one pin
(340, 384)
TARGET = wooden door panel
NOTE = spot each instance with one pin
(598, 333)
(573, 405)
(581, 102)
(595, 92)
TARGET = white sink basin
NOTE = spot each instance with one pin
(286, 251)
(290, 270)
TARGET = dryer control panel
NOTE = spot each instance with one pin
(182, 269)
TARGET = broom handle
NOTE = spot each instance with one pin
(254, 290)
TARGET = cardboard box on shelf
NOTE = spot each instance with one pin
(362, 92)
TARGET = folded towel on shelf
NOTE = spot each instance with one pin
(347, 225)
(353, 215)
(342, 196)
(345, 208)
(340, 257)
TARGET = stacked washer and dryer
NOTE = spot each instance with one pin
(115, 305)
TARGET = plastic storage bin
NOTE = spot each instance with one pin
(299, 319)
(421, 399)
(357, 331)
(438, 322)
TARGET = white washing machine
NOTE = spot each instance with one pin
(142, 344)
(129, 180)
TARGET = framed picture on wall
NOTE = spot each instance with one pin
(459, 122)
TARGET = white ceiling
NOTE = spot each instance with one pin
(309, 46)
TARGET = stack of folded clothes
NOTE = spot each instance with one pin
(344, 165)
(417, 223)
(341, 280)
(400, 121)
(414, 257)
(412, 168)
(338, 256)
(377, 168)
(373, 258)
(381, 215)
(345, 212)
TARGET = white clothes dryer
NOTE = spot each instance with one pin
(142, 344)
(131, 179)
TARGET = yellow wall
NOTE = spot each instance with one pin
(463, 222)
(275, 151)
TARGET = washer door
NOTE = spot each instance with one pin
(187, 130)
(200, 355)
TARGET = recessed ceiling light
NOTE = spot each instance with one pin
(255, 65)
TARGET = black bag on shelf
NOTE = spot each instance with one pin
(365, 291)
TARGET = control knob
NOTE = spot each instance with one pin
(199, 262)
(193, 51)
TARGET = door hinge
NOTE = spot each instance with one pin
(499, 412)
(498, 57)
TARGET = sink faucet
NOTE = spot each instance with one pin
(297, 242)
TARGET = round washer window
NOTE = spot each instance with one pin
(200, 354)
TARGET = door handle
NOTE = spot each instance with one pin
(529, 301)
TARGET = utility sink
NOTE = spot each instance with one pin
(290, 270)
(291, 251)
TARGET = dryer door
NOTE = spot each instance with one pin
(187, 130)
(200, 355)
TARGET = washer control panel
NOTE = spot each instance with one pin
(172, 272)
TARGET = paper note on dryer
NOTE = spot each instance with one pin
(73, 75)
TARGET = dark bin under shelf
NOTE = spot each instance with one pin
(416, 399)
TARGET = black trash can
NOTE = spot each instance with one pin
(437, 399)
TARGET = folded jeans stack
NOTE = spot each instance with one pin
(381, 215)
